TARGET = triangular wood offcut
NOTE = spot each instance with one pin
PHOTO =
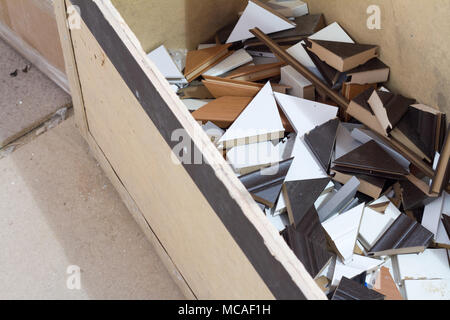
(259, 122)
(301, 195)
(303, 114)
(385, 285)
(259, 15)
(404, 236)
(389, 108)
(333, 32)
(321, 141)
(343, 56)
(343, 231)
(314, 256)
(199, 61)
(351, 290)
(371, 157)
(304, 166)
(223, 111)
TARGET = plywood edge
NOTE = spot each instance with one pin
(70, 66)
(139, 218)
(32, 55)
(273, 241)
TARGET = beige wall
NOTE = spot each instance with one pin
(177, 23)
(414, 40)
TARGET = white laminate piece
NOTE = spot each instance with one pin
(260, 121)
(305, 115)
(343, 231)
(257, 16)
(237, 59)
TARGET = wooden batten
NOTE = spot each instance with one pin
(109, 69)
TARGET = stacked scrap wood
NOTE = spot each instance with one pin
(351, 174)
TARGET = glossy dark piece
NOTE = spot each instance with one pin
(333, 77)
(413, 197)
(313, 255)
(403, 234)
(321, 141)
(301, 195)
(351, 290)
(361, 278)
(371, 157)
(421, 129)
(395, 105)
(306, 26)
(343, 49)
(266, 188)
(363, 98)
(371, 65)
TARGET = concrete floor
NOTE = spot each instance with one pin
(57, 209)
(26, 99)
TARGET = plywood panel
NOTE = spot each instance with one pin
(413, 38)
(164, 192)
(177, 23)
(34, 22)
(4, 17)
(201, 213)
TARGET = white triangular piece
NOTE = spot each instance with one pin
(373, 226)
(213, 131)
(432, 215)
(300, 54)
(257, 16)
(333, 32)
(259, 122)
(162, 59)
(343, 231)
(237, 59)
(305, 165)
(251, 157)
(358, 265)
(304, 115)
(345, 143)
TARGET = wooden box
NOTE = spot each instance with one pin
(210, 233)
